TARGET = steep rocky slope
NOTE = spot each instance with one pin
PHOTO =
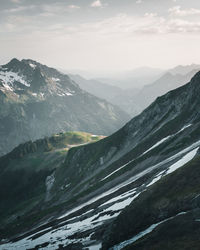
(38, 101)
(27, 172)
(165, 216)
(151, 164)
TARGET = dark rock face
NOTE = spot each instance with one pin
(37, 101)
(125, 185)
(165, 117)
(175, 197)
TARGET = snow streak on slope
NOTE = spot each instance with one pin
(135, 177)
(157, 144)
(143, 233)
(63, 232)
(186, 126)
(184, 160)
(188, 157)
(154, 146)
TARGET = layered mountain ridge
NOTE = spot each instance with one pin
(135, 100)
(146, 172)
(37, 101)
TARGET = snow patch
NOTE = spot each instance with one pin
(61, 235)
(120, 205)
(117, 170)
(185, 159)
(157, 178)
(9, 78)
(157, 144)
(188, 157)
(119, 197)
(183, 128)
(143, 233)
(65, 94)
(55, 79)
(32, 65)
(95, 247)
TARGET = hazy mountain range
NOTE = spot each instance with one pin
(134, 100)
(135, 78)
(136, 189)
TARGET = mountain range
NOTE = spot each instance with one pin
(38, 101)
(135, 100)
(136, 189)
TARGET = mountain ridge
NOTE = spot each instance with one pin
(107, 179)
(38, 101)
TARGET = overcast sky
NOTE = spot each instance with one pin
(101, 35)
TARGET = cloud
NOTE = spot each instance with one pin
(19, 9)
(57, 9)
(150, 14)
(121, 25)
(16, 1)
(139, 1)
(15, 23)
(183, 26)
(73, 6)
(131, 26)
(96, 4)
(177, 11)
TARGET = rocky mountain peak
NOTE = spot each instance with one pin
(34, 78)
(16, 66)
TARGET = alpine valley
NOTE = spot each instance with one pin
(38, 101)
(138, 188)
(134, 100)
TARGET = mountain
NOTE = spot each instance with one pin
(135, 189)
(164, 84)
(37, 101)
(123, 79)
(133, 100)
(25, 169)
(184, 69)
(101, 90)
(166, 216)
(135, 78)
(115, 95)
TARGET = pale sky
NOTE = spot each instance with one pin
(101, 35)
